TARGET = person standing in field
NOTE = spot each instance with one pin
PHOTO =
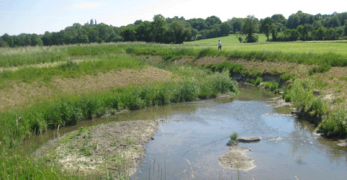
(219, 45)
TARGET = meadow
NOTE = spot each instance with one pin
(188, 83)
(315, 47)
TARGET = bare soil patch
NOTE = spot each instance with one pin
(117, 147)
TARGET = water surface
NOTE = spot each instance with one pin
(198, 132)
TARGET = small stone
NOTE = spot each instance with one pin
(152, 138)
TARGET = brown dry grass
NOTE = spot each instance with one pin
(29, 93)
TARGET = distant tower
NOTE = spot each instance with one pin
(95, 22)
(91, 22)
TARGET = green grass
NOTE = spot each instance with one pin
(227, 41)
(331, 52)
(256, 81)
(316, 47)
(19, 123)
(106, 63)
(233, 137)
(320, 69)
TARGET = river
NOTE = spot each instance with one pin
(192, 136)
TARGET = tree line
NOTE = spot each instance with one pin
(299, 25)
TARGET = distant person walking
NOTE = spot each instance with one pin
(219, 45)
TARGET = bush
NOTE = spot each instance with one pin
(334, 123)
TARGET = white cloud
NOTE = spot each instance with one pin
(88, 6)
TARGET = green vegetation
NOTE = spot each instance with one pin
(256, 81)
(233, 137)
(70, 69)
(18, 124)
(273, 86)
(303, 98)
(320, 69)
(334, 123)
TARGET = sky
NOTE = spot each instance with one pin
(38, 16)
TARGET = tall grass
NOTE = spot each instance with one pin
(303, 98)
(34, 55)
(70, 69)
(334, 123)
(18, 124)
(14, 57)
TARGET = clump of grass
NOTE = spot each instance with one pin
(286, 77)
(256, 81)
(320, 69)
(233, 139)
(334, 123)
(303, 98)
(273, 86)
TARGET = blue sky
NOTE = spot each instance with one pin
(38, 16)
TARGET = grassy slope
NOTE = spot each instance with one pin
(231, 43)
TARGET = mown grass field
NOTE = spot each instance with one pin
(231, 43)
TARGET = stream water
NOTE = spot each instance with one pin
(199, 131)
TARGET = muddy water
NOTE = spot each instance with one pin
(198, 132)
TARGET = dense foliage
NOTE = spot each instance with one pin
(300, 25)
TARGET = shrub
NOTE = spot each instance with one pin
(334, 123)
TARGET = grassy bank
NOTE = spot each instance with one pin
(18, 124)
(70, 69)
(259, 51)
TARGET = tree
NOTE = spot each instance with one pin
(144, 32)
(193, 34)
(279, 18)
(158, 27)
(212, 20)
(236, 24)
(225, 29)
(83, 39)
(3, 43)
(198, 24)
(91, 22)
(345, 28)
(46, 38)
(330, 34)
(320, 33)
(8, 39)
(273, 32)
(128, 33)
(334, 22)
(137, 22)
(266, 26)
(249, 28)
(293, 21)
(304, 30)
(36, 40)
(179, 31)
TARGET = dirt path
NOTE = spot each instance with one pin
(117, 147)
